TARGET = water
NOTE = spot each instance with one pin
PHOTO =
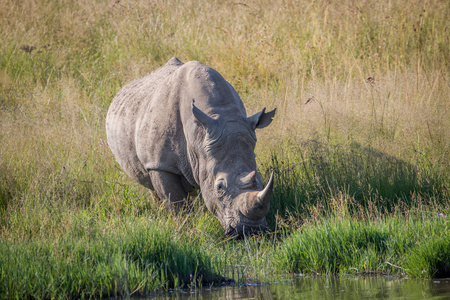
(342, 287)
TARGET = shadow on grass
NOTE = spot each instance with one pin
(311, 173)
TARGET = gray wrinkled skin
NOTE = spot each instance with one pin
(184, 127)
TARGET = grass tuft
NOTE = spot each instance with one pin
(393, 244)
(430, 258)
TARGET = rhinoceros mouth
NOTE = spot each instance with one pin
(246, 227)
(245, 231)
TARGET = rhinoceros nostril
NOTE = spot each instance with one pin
(231, 233)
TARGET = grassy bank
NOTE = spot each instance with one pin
(359, 146)
(135, 257)
(416, 244)
(139, 255)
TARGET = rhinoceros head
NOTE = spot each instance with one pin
(231, 186)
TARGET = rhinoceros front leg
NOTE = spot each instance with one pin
(169, 188)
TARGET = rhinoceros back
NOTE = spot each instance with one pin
(132, 122)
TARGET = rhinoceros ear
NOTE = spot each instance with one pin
(261, 119)
(207, 122)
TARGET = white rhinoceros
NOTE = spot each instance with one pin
(172, 146)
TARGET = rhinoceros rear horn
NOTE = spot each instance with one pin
(256, 205)
(207, 122)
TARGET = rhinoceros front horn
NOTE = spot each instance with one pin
(256, 205)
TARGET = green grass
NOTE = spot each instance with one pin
(431, 258)
(359, 146)
(416, 244)
(311, 173)
(137, 257)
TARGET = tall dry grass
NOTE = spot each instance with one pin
(361, 89)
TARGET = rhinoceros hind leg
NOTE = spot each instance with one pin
(169, 188)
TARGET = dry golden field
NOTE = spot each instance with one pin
(362, 127)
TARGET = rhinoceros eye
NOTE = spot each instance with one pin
(220, 188)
